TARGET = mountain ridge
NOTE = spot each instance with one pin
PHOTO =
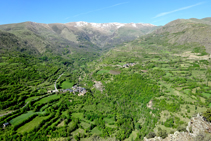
(182, 31)
(76, 34)
(104, 25)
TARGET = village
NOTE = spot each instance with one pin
(75, 89)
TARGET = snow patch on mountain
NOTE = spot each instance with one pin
(134, 25)
(80, 24)
(110, 25)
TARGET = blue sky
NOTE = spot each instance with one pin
(157, 12)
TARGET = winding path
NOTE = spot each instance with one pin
(56, 90)
(6, 113)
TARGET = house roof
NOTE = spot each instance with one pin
(7, 123)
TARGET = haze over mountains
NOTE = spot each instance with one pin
(86, 36)
(76, 35)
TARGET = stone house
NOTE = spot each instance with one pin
(6, 124)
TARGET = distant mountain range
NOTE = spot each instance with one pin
(72, 37)
(108, 34)
(76, 35)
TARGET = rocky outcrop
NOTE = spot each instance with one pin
(196, 126)
(149, 105)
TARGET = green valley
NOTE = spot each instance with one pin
(148, 86)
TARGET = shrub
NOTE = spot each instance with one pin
(162, 133)
(207, 115)
(137, 126)
(202, 136)
(151, 135)
(181, 129)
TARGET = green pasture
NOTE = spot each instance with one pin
(78, 131)
(77, 115)
(31, 98)
(206, 94)
(64, 113)
(67, 85)
(61, 124)
(109, 120)
(70, 124)
(14, 64)
(133, 135)
(85, 125)
(103, 71)
(31, 125)
(96, 131)
(121, 64)
(47, 99)
(19, 119)
(3, 63)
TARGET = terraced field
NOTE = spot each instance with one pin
(21, 118)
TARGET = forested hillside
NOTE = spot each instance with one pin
(147, 87)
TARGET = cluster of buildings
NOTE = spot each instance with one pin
(128, 65)
(66, 90)
(81, 91)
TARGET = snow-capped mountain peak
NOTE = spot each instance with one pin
(110, 25)
(80, 24)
